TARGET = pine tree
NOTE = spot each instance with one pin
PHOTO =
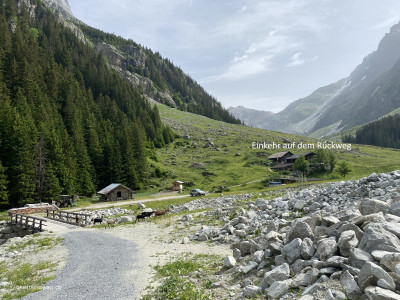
(41, 167)
(301, 165)
(344, 168)
(3, 186)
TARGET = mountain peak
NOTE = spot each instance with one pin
(62, 6)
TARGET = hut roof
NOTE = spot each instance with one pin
(178, 181)
(279, 154)
(112, 187)
(296, 156)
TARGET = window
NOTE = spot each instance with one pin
(119, 194)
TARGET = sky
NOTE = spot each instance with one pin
(261, 54)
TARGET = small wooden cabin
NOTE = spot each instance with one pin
(115, 192)
(177, 185)
(280, 156)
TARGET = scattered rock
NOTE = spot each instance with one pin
(229, 262)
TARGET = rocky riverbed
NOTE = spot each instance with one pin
(339, 241)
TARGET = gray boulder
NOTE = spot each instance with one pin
(307, 249)
(250, 266)
(326, 248)
(280, 273)
(392, 227)
(350, 286)
(377, 238)
(312, 220)
(202, 237)
(358, 258)
(305, 279)
(292, 251)
(240, 233)
(370, 274)
(372, 218)
(278, 289)
(359, 233)
(379, 254)
(334, 295)
(371, 206)
(299, 204)
(229, 262)
(394, 207)
(251, 291)
(389, 261)
(258, 256)
(347, 241)
(377, 293)
(329, 221)
(245, 248)
(299, 230)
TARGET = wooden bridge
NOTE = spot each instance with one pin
(29, 222)
(69, 217)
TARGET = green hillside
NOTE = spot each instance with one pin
(183, 160)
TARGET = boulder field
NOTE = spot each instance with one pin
(333, 241)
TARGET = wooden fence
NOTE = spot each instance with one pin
(69, 217)
(29, 222)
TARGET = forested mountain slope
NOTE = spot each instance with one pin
(158, 77)
(383, 132)
(68, 123)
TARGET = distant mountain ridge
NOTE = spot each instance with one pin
(287, 119)
(371, 91)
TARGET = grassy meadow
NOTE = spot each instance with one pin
(232, 162)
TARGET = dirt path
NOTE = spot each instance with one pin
(99, 266)
(127, 202)
(139, 246)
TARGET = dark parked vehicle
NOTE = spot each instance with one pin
(65, 201)
(197, 192)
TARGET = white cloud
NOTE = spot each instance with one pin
(296, 60)
(388, 22)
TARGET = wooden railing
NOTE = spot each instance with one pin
(29, 222)
(69, 217)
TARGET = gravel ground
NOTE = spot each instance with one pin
(100, 266)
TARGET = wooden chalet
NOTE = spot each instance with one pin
(280, 156)
(115, 192)
(286, 160)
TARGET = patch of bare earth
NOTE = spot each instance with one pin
(159, 243)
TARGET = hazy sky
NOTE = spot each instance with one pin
(261, 54)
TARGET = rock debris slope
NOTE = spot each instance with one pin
(340, 241)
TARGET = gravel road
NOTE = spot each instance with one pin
(100, 266)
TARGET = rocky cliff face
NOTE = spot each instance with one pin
(62, 6)
(122, 59)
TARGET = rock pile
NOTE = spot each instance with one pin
(203, 203)
(33, 208)
(334, 242)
